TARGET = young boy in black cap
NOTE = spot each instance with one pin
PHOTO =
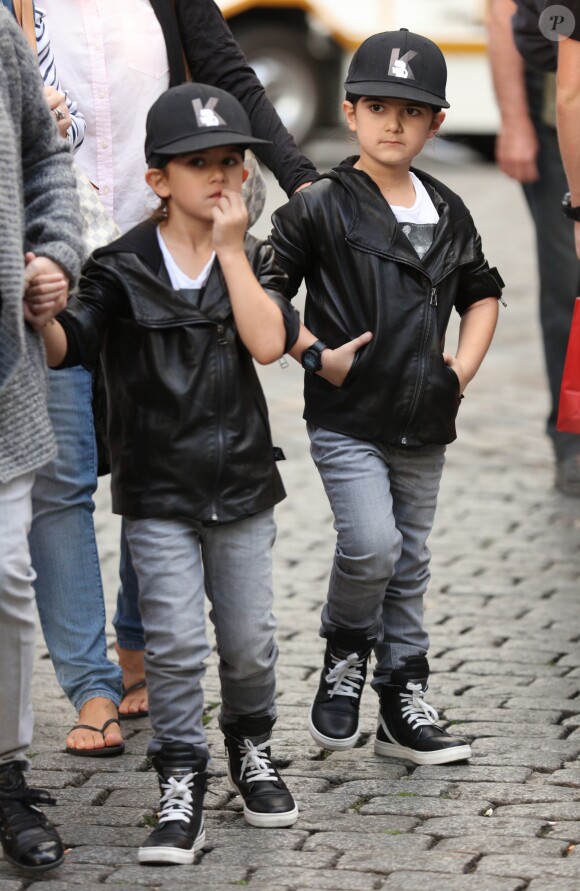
(386, 252)
(178, 307)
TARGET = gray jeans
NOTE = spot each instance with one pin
(383, 500)
(178, 563)
(17, 618)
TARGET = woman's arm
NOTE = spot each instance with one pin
(214, 57)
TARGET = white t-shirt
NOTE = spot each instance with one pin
(179, 280)
(418, 221)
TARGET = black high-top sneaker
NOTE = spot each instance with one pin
(267, 801)
(407, 725)
(182, 781)
(333, 721)
(27, 837)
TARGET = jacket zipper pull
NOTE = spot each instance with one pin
(220, 333)
(433, 300)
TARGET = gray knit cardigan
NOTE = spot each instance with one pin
(38, 212)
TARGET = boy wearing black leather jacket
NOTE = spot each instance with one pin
(179, 307)
(388, 251)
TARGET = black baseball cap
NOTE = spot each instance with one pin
(399, 64)
(192, 117)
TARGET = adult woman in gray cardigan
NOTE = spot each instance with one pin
(38, 218)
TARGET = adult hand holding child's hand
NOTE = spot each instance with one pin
(45, 290)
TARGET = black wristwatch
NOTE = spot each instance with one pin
(311, 358)
(573, 213)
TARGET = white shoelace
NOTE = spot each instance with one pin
(177, 799)
(417, 712)
(255, 765)
(346, 676)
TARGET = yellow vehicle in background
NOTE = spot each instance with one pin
(300, 50)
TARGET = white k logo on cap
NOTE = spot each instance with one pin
(206, 115)
(399, 67)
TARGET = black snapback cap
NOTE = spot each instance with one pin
(400, 64)
(192, 117)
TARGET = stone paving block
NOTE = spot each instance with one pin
(458, 827)
(399, 788)
(11, 885)
(315, 879)
(568, 829)
(357, 823)
(568, 777)
(408, 881)
(409, 859)
(425, 808)
(542, 703)
(369, 843)
(516, 793)
(553, 884)
(102, 836)
(459, 712)
(336, 770)
(62, 761)
(68, 885)
(528, 731)
(525, 867)
(554, 810)
(472, 773)
(220, 876)
(70, 816)
(101, 855)
(487, 843)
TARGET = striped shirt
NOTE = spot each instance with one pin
(48, 72)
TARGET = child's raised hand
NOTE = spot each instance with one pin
(45, 290)
(337, 363)
(230, 222)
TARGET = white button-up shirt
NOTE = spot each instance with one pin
(111, 55)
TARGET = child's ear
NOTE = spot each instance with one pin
(438, 119)
(350, 114)
(156, 180)
(246, 174)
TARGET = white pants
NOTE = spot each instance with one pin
(17, 618)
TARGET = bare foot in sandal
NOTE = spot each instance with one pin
(95, 737)
(134, 703)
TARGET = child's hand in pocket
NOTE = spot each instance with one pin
(337, 363)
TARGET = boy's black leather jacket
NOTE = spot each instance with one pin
(362, 274)
(188, 423)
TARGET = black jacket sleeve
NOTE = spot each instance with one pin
(215, 58)
(100, 299)
(292, 238)
(274, 281)
(477, 280)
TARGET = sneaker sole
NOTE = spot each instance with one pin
(270, 820)
(180, 856)
(329, 742)
(441, 756)
(33, 869)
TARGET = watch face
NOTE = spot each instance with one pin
(311, 360)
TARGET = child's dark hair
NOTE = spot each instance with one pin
(350, 97)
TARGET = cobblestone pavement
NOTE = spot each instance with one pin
(502, 611)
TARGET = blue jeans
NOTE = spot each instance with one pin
(559, 269)
(69, 590)
(383, 500)
(127, 619)
(178, 563)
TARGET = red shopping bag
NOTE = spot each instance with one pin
(569, 408)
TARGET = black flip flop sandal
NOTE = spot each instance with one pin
(107, 752)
